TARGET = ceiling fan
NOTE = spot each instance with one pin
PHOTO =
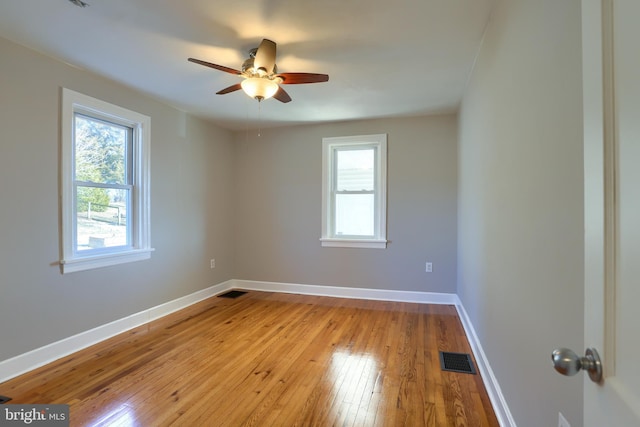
(261, 77)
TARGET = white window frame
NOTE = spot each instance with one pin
(329, 147)
(140, 247)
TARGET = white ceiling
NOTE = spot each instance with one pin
(385, 58)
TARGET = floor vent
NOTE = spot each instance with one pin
(4, 399)
(457, 362)
(232, 294)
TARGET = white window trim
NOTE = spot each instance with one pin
(141, 237)
(380, 239)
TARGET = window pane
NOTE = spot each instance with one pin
(355, 170)
(102, 217)
(354, 214)
(100, 151)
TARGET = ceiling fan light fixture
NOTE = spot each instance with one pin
(262, 79)
(259, 88)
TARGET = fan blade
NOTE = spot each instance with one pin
(282, 96)
(216, 66)
(266, 56)
(301, 78)
(229, 89)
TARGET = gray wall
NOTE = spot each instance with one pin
(278, 207)
(520, 245)
(191, 165)
(252, 203)
(513, 184)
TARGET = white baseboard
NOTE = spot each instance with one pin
(20, 364)
(490, 382)
(354, 293)
(26, 362)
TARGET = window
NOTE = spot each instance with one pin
(354, 191)
(105, 184)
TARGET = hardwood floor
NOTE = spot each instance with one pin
(270, 359)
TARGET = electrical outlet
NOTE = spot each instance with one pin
(562, 421)
(428, 267)
(213, 263)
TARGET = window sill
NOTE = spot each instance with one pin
(353, 243)
(103, 260)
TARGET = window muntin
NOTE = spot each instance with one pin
(105, 184)
(354, 191)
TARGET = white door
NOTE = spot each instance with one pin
(611, 89)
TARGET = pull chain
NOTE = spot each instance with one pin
(259, 117)
(247, 122)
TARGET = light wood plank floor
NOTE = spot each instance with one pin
(268, 359)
